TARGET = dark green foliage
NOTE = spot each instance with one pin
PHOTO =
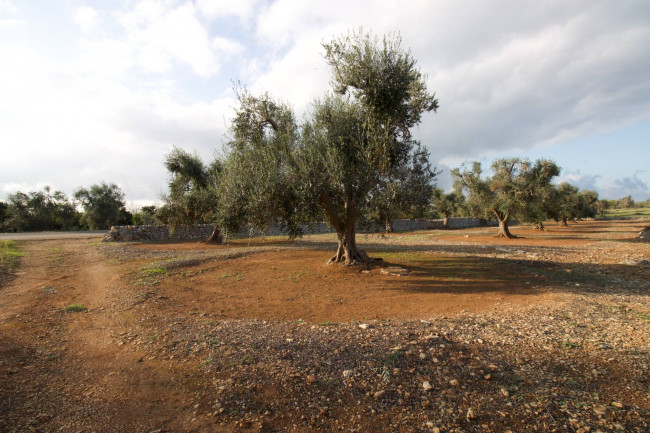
(566, 203)
(517, 189)
(446, 205)
(538, 194)
(405, 193)
(145, 216)
(192, 196)
(587, 204)
(103, 206)
(259, 186)
(38, 211)
(355, 142)
(3, 214)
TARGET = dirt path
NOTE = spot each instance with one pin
(69, 371)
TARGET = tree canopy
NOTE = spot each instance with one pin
(353, 141)
(192, 196)
(446, 205)
(38, 211)
(512, 190)
(103, 206)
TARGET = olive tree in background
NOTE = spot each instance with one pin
(538, 194)
(192, 192)
(103, 206)
(567, 205)
(587, 203)
(353, 140)
(510, 192)
(446, 205)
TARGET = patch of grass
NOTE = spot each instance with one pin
(149, 272)
(402, 257)
(326, 323)
(570, 344)
(9, 254)
(392, 359)
(151, 275)
(75, 308)
(236, 276)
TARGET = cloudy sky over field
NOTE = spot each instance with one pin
(93, 91)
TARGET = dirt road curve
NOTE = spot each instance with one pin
(65, 370)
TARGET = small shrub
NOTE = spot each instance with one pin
(75, 308)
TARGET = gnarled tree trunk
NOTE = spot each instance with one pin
(215, 237)
(504, 231)
(389, 226)
(564, 222)
(347, 251)
(539, 225)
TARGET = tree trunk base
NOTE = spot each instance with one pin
(215, 237)
(350, 256)
(539, 226)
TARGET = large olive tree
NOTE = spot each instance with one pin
(354, 139)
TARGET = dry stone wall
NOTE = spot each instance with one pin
(203, 231)
(157, 233)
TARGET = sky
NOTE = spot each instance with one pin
(102, 90)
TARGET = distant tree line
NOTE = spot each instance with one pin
(94, 208)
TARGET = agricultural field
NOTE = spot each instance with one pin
(452, 331)
(629, 213)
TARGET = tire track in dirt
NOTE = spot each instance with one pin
(66, 370)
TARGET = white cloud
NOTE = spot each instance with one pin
(509, 76)
(8, 5)
(12, 23)
(582, 181)
(86, 18)
(243, 9)
(77, 128)
(619, 188)
(227, 47)
(161, 36)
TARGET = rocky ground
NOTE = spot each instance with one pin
(572, 356)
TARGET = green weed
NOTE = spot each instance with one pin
(75, 308)
(9, 254)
